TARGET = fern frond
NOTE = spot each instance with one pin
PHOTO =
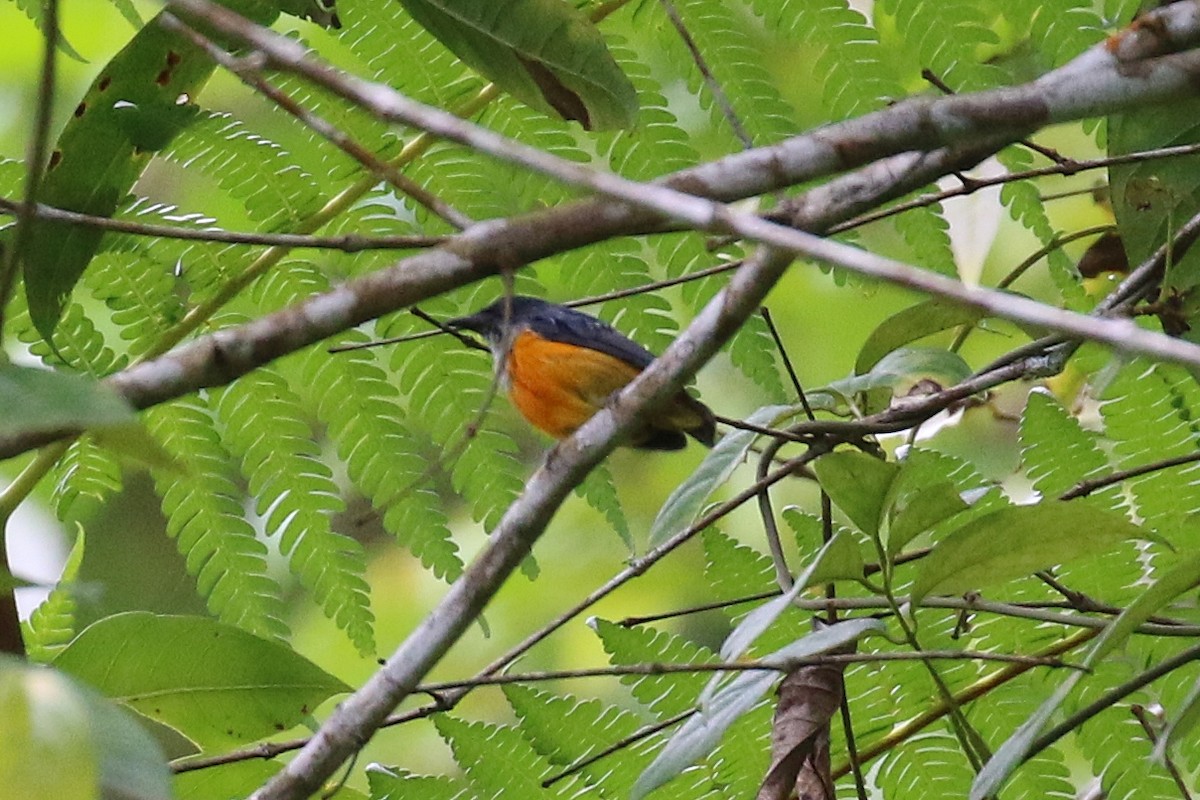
(140, 294)
(393, 783)
(52, 624)
(735, 59)
(260, 173)
(1144, 419)
(951, 39)
(518, 121)
(498, 761)
(657, 145)
(928, 765)
(204, 517)
(734, 569)
(1066, 30)
(928, 234)
(1114, 742)
(1024, 203)
(401, 53)
(854, 76)
(78, 344)
(361, 408)
(263, 426)
(665, 695)
(564, 730)
(85, 478)
(1057, 452)
(189, 266)
(600, 492)
(754, 352)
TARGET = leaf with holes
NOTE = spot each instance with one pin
(136, 104)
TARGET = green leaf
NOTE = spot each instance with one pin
(913, 513)
(900, 371)
(41, 400)
(913, 323)
(543, 52)
(231, 686)
(1014, 542)
(685, 503)
(63, 741)
(858, 484)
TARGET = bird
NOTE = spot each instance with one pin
(560, 366)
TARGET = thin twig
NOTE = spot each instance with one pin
(617, 746)
(932, 198)
(347, 243)
(710, 80)
(738, 666)
(1086, 487)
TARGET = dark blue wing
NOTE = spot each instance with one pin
(561, 324)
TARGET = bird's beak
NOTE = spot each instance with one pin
(471, 323)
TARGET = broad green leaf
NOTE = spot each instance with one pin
(858, 484)
(63, 741)
(134, 106)
(1014, 542)
(684, 504)
(1013, 752)
(909, 325)
(899, 372)
(45, 400)
(703, 730)
(214, 683)
(913, 514)
(545, 53)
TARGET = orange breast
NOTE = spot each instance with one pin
(559, 386)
